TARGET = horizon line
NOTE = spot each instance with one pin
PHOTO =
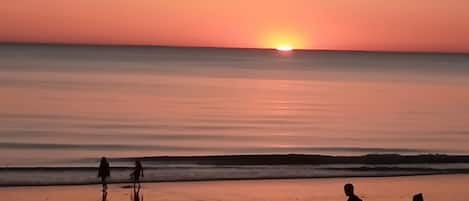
(231, 48)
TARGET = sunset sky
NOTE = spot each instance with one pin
(397, 25)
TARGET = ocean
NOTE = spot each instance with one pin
(64, 104)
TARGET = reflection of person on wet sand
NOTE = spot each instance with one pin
(104, 196)
(135, 195)
(104, 172)
(136, 173)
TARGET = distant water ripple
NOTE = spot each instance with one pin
(65, 103)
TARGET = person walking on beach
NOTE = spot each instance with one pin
(418, 197)
(136, 173)
(104, 172)
(349, 192)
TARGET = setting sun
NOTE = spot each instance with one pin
(284, 48)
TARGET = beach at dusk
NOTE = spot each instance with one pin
(259, 100)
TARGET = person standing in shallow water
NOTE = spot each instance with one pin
(349, 192)
(104, 172)
(137, 172)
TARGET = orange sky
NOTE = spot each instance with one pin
(397, 25)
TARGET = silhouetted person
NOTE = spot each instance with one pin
(137, 172)
(349, 192)
(418, 197)
(104, 172)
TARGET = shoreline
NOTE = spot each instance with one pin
(327, 189)
(240, 179)
(241, 167)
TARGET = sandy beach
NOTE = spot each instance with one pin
(435, 188)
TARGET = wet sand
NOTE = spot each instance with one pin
(435, 188)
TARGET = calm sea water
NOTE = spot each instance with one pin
(64, 103)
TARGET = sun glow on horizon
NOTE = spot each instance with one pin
(284, 41)
(285, 48)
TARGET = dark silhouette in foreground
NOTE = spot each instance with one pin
(136, 173)
(349, 192)
(418, 197)
(104, 172)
